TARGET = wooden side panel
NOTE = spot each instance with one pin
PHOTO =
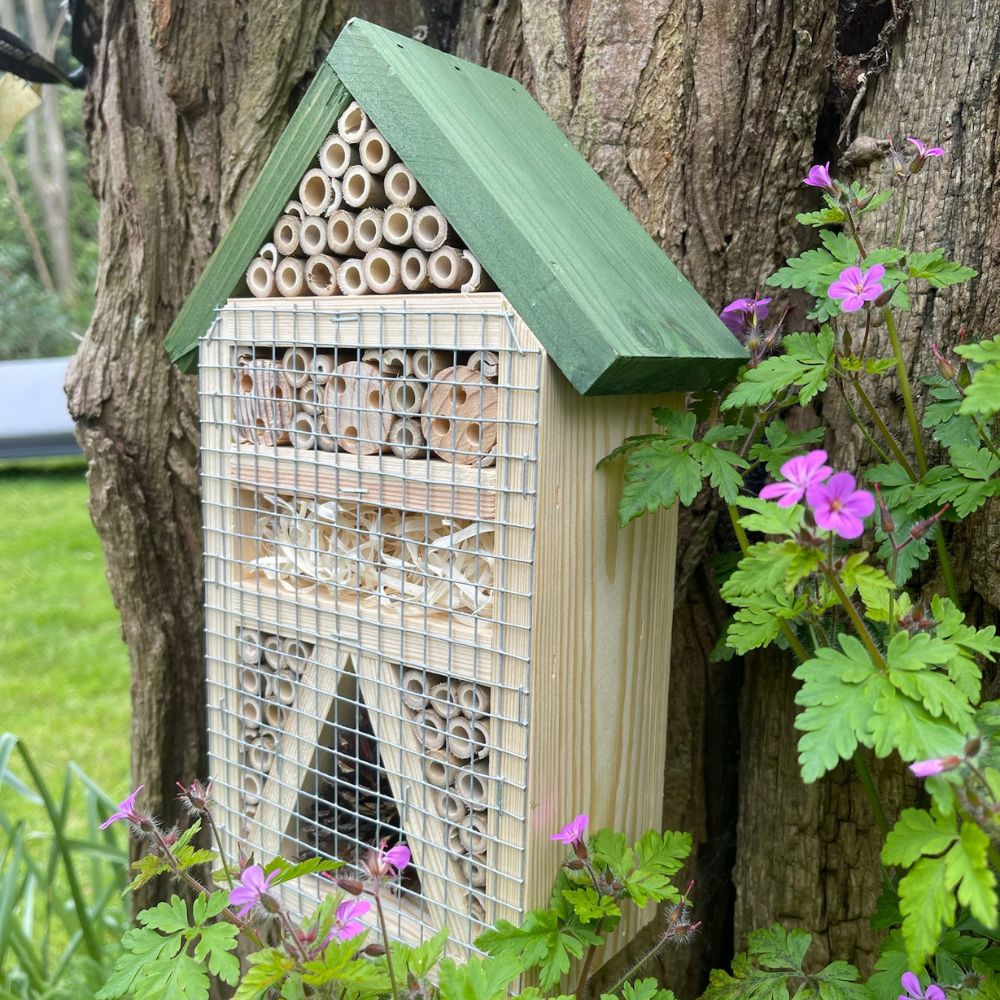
(603, 609)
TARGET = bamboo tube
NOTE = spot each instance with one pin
(295, 208)
(250, 811)
(376, 154)
(260, 752)
(312, 235)
(382, 271)
(303, 435)
(430, 229)
(251, 789)
(475, 872)
(309, 397)
(280, 688)
(272, 651)
(260, 278)
(427, 364)
(448, 806)
(286, 235)
(397, 225)
(448, 269)
(486, 362)
(351, 277)
(430, 730)
(395, 363)
(290, 277)
(368, 229)
(336, 196)
(340, 232)
(353, 123)
(440, 768)
(478, 280)
(455, 843)
(415, 271)
(275, 714)
(473, 699)
(405, 395)
(477, 908)
(355, 408)
(250, 713)
(460, 417)
(249, 640)
(468, 738)
(401, 187)
(472, 786)
(270, 253)
(361, 189)
(414, 684)
(295, 364)
(265, 403)
(406, 440)
(294, 654)
(441, 698)
(472, 835)
(250, 678)
(321, 275)
(322, 368)
(336, 155)
(315, 191)
(325, 441)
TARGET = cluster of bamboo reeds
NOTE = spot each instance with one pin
(409, 403)
(362, 224)
(452, 720)
(375, 555)
(270, 668)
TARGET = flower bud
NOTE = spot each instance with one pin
(269, 903)
(885, 298)
(972, 747)
(373, 950)
(580, 848)
(575, 865)
(170, 837)
(885, 517)
(350, 885)
(944, 366)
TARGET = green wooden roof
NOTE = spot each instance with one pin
(610, 308)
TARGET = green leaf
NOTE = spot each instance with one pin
(589, 907)
(871, 583)
(806, 363)
(656, 476)
(424, 957)
(722, 468)
(142, 947)
(770, 519)
(968, 868)
(842, 246)
(643, 989)
(983, 352)
(217, 942)
(759, 624)
(268, 968)
(883, 255)
(769, 568)
(815, 270)
(927, 903)
(287, 871)
(982, 396)
(148, 867)
(169, 916)
(478, 978)
(823, 217)
(937, 271)
(182, 978)
(780, 444)
(657, 857)
(915, 834)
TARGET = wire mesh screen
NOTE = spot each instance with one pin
(369, 487)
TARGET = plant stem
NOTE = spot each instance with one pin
(218, 843)
(385, 942)
(290, 931)
(856, 417)
(856, 620)
(855, 235)
(588, 962)
(984, 436)
(897, 236)
(890, 439)
(865, 777)
(904, 388)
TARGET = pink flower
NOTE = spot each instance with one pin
(838, 506)
(800, 472)
(819, 177)
(126, 811)
(253, 886)
(382, 863)
(913, 991)
(346, 922)
(572, 833)
(934, 765)
(741, 313)
(856, 287)
(922, 149)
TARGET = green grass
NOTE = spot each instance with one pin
(64, 677)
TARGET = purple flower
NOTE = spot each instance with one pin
(819, 177)
(800, 472)
(126, 811)
(253, 885)
(855, 287)
(346, 922)
(934, 765)
(923, 151)
(741, 313)
(913, 991)
(572, 833)
(838, 506)
(382, 863)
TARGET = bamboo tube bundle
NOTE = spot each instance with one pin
(264, 403)
(315, 192)
(249, 640)
(401, 187)
(405, 395)
(310, 398)
(441, 698)
(472, 786)
(440, 768)
(382, 271)
(275, 714)
(448, 269)
(376, 154)
(312, 235)
(478, 280)
(261, 750)
(290, 277)
(414, 684)
(340, 232)
(448, 807)
(362, 189)
(322, 368)
(391, 362)
(294, 655)
(430, 229)
(406, 439)
(368, 229)
(280, 688)
(460, 417)
(472, 835)
(397, 225)
(414, 268)
(251, 680)
(295, 364)
(321, 275)
(251, 714)
(468, 738)
(260, 278)
(286, 235)
(355, 408)
(473, 699)
(353, 123)
(351, 277)
(303, 434)
(486, 362)
(427, 364)
(430, 730)
(272, 652)
(336, 155)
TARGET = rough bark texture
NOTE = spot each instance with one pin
(703, 117)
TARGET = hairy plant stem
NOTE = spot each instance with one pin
(855, 618)
(901, 215)
(867, 783)
(853, 227)
(883, 428)
(218, 843)
(856, 417)
(588, 962)
(290, 931)
(385, 942)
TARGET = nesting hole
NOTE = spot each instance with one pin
(380, 270)
(357, 185)
(396, 224)
(368, 230)
(315, 191)
(440, 426)
(460, 396)
(412, 268)
(246, 383)
(429, 228)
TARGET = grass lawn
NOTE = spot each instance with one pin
(64, 678)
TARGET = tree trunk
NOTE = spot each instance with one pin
(703, 118)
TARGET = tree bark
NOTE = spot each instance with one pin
(703, 118)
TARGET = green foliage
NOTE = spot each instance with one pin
(780, 444)
(642, 989)
(982, 395)
(772, 968)
(478, 979)
(185, 857)
(934, 268)
(33, 322)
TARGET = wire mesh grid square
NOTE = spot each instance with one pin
(369, 497)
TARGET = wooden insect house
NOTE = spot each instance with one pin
(423, 622)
